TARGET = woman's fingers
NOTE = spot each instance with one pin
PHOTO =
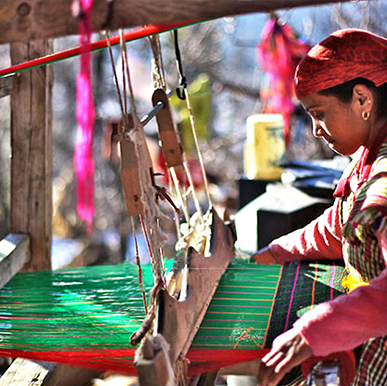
(274, 359)
(264, 256)
(289, 350)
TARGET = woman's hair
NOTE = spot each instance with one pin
(344, 92)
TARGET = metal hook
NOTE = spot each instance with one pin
(180, 91)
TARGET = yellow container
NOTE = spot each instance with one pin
(265, 146)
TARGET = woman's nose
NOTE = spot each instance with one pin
(317, 129)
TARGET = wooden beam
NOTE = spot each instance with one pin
(24, 372)
(31, 146)
(7, 84)
(25, 20)
(14, 254)
(63, 375)
(244, 368)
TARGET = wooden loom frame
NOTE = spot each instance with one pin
(28, 246)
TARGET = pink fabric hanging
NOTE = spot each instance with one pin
(83, 155)
(279, 53)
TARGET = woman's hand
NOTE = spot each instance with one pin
(263, 256)
(289, 350)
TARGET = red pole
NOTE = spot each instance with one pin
(114, 40)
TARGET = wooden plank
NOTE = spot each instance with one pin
(25, 20)
(170, 142)
(179, 320)
(14, 254)
(31, 163)
(7, 84)
(63, 375)
(24, 372)
(245, 368)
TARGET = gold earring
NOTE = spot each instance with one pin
(365, 115)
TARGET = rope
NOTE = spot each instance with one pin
(183, 202)
(126, 73)
(136, 136)
(155, 271)
(158, 72)
(138, 262)
(158, 75)
(183, 94)
(193, 191)
(152, 212)
(114, 72)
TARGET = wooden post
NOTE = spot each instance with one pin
(31, 145)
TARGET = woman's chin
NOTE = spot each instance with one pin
(337, 150)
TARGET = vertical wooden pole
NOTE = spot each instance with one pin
(31, 144)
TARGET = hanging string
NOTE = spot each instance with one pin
(126, 73)
(158, 73)
(83, 154)
(114, 72)
(152, 212)
(124, 83)
(138, 262)
(158, 76)
(184, 95)
(124, 111)
(193, 191)
(155, 265)
(182, 200)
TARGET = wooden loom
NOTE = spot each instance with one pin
(29, 243)
(207, 246)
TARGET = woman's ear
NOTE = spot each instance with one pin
(362, 101)
(363, 96)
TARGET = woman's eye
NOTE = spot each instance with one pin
(318, 116)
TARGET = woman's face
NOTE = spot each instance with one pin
(339, 124)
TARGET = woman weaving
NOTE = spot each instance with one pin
(342, 85)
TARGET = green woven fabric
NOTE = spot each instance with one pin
(85, 316)
(72, 309)
(239, 313)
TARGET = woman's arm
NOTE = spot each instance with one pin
(350, 320)
(321, 239)
(338, 325)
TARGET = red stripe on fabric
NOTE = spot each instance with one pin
(98, 359)
(121, 360)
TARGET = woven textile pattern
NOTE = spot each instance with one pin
(85, 316)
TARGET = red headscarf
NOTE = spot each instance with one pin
(344, 55)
